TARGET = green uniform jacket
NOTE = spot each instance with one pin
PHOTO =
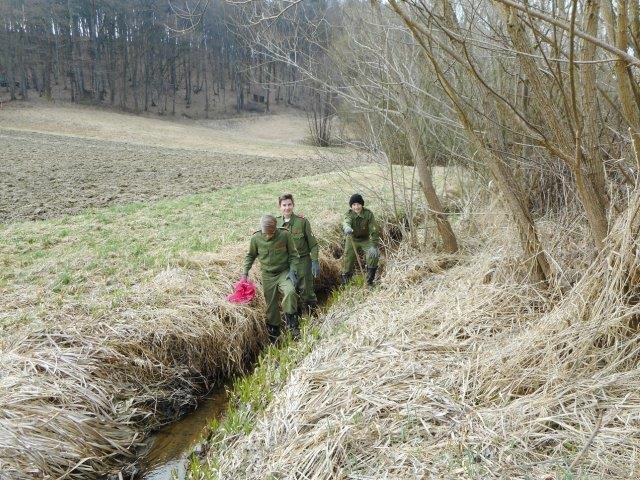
(300, 230)
(276, 254)
(364, 225)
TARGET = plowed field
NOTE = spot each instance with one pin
(62, 160)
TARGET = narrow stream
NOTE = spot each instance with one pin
(169, 447)
(167, 455)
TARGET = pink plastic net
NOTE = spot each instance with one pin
(243, 292)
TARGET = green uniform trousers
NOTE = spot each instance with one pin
(305, 280)
(271, 284)
(349, 257)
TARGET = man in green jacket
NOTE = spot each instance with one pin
(359, 225)
(307, 246)
(279, 259)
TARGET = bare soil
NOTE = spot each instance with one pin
(57, 160)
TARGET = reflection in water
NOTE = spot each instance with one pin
(171, 445)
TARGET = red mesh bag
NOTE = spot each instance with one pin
(243, 292)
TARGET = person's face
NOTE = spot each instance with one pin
(286, 207)
(357, 208)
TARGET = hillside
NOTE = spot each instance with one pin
(113, 313)
(64, 159)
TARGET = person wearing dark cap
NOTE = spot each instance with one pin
(361, 229)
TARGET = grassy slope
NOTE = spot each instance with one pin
(268, 136)
(133, 302)
(356, 398)
(89, 261)
(142, 279)
(62, 160)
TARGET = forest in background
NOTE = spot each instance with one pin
(141, 54)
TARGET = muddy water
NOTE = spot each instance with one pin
(169, 448)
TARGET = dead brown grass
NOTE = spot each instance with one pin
(266, 136)
(460, 374)
(77, 397)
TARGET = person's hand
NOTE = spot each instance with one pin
(373, 251)
(347, 230)
(315, 268)
(243, 277)
(293, 276)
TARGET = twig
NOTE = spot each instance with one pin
(588, 444)
(635, 141)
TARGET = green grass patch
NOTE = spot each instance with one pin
(249, 396)
(90, 260)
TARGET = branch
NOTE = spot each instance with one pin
(578, 33)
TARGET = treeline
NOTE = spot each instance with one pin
(137, 55)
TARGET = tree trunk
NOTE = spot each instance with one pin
(205, 65)
(589, 167)
(134, 79)
(124, 32)
(617, 32)
(586, 169)
(595, 167)
(187, 79)
(10, 57)
(425, 174)
(95, 53)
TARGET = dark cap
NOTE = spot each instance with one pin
(356, 198)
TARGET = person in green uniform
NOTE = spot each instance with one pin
(361, 229)
(307, 246)
(279, 259)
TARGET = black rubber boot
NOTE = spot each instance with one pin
(293, 324)
(371, 275)
(274, 332)
(346, 277)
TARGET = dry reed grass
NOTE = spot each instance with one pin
(77, 397)
(459, 373)
(329, 274)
